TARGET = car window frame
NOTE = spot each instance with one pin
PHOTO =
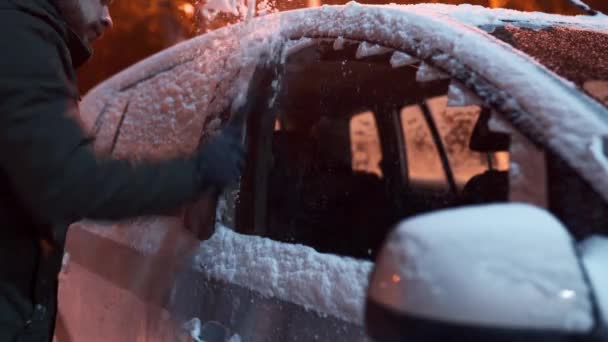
(246, 219)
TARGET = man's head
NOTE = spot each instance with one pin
(87, 18)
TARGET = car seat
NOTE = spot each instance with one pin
(492, 185)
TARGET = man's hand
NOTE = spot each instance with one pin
(220, 160)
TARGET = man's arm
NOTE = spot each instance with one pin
(50, 163)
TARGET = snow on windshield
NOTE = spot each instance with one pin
(325, 283)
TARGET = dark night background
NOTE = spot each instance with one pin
(144, 27)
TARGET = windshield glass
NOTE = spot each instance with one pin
(576, 55)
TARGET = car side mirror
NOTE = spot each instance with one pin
(506, 272)
(594, 255)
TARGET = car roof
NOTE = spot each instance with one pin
(556, 113)
(485, 17)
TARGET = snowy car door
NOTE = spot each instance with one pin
(166, 108)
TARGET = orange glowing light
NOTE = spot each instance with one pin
(497, 3)
(187, 8)
(396, 278)
(314, 3)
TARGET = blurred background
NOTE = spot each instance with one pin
(144, 27)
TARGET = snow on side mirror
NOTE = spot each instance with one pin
(505, 272)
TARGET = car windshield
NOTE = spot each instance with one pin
(576, 55)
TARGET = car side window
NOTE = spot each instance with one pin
(358, 145)
(452, 166)
(424, 169)
(456, 124)
(366, 153)
(325, 182)
(573, 200)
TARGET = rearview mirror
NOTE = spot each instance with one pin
(505, 272)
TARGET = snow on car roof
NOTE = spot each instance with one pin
(482, 16)
(473, 15)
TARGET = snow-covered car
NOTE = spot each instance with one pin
(380, 114)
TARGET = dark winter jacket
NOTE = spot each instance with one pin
(49, 174)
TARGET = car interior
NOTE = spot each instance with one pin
(328, 166)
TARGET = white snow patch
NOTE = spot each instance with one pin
(193, 328)
(366, 49)
(597, 150)
(339, 43)
(400, 59)
(461, 96)
(226, 6)
(324, 283)
(482, 16)
(498, 124)
(427, 73)
(293, 46)
(235, 338)
(594, 252)
(483, 265)
(266, 7)
(250, 8)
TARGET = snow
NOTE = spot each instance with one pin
(226, 6)
(483, 266)
(327, 284)
(339, 43)
(461, 96)
(597, 150)
(266, 7)
(235, 338)
(594, 251)
(400, 59)
(366, 49)
(427, 73)
(480, 16)
(464, 14)
(294, 46)
(193, 328)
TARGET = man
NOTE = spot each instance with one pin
(50, 176)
